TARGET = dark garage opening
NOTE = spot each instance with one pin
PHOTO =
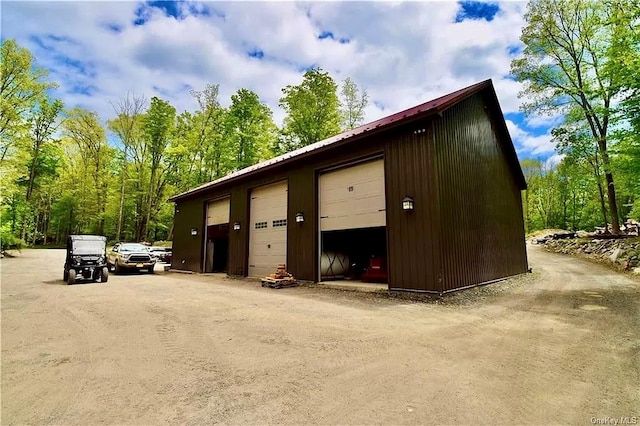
(354, 254)
(217, 250)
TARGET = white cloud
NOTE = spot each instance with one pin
(529, 143)
(402, 53)
(553, 161)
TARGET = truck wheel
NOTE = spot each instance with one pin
(150, 270)
(117, 268)
(65, 275)
(72, 276)
(104, 277)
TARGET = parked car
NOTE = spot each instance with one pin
(162, 254)
(130, 256)
(86, 259)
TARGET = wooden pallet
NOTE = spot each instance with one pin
(278, 283)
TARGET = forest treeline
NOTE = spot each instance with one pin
(580, 61)
(67, 170)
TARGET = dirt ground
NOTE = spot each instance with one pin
(560, 346)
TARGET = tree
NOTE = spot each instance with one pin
(209, 122)
(158, 125)
(353, 103)
(83, 128)
(250, 129)
(21, 88)
(567, 64)
(312, 109)
(126, 126)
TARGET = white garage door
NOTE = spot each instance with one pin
(268, 229)
(218, 212)
(353, 197)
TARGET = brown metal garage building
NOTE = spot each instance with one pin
(327, 208)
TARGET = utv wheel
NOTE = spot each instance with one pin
(104, 277)
(65, 275)
(117, 268)
(72, 276)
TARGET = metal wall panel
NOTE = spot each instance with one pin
(189, 249)
(412, 236)
(302, 242)
(481, 224)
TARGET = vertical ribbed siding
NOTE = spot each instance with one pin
(302, 238)
(411, 236)
(238, 240)
(481, 225)
(187, 248)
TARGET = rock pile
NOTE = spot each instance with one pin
(621, 253)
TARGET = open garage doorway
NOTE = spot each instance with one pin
(217, 248)
(353, 239)
(354, 254)
(216, 251)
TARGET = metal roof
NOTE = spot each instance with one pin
(434, 106)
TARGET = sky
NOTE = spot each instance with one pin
(402, 53)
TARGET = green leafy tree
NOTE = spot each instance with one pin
(353, 104)
(213, 147)
(567, 64)
(126, 126)
(158, 126)
(22, 87)
(84, 129)
(250, 129)
(312, 109)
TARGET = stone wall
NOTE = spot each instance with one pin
(621, 254)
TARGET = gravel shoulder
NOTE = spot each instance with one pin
(559, 346)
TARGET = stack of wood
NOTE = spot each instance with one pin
(279, 279)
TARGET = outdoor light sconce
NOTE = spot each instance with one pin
(194, 231)
(299, 217)
(236, 226)
(407, 203)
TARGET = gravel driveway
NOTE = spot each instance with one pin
(561, 346)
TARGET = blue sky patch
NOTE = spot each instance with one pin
(142, 14)
(514, 50)
(204, 9)
(87, 90)
(305, 68)
(477, 10)
(84, 68)
(170, 8)
(114, 28)
(328, 34)
(256, 53)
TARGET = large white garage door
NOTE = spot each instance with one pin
(353, 197)
(218, 212)
(268, 229)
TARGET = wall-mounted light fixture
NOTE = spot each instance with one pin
(194, 231)
(299, 217)
(407, 203)
(236, 226)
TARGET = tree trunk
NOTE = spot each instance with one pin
(611, 190)
(124, 175)
(613, 205)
